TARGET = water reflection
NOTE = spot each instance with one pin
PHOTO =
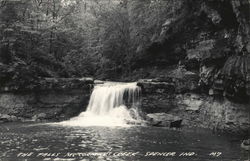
(39, 139)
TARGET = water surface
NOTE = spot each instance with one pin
(48, 142)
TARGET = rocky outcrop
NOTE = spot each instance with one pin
(164, 120)
(207, 112)
(52, 99)
(8, 118)
(166, 106)
(210, 39)
(157, 96)
(164, 102)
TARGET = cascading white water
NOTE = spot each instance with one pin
(111, 104)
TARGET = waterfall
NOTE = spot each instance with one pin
(110, 104)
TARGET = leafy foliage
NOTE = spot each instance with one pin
(63, 38)
(112, 39)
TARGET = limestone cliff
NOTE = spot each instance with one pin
(163, 103)
(208, 38)
(52, 99)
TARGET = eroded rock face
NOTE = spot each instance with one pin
(209, 38)
(207, 112)
(156, 95)
(165, 106)
(55, 99)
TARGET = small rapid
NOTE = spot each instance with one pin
(110, 104)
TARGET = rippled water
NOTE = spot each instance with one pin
(74, 143)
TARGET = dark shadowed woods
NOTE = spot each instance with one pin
(127, 40)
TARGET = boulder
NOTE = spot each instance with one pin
(164, 120)
(40, 116)
(7, 118)
(192, 102)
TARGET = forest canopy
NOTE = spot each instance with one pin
(128, 40)
(76, 38)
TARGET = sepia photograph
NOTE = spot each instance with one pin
(124, 80)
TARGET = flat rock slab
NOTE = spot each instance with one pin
(164, 120)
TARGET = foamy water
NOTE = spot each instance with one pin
(108, 106)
